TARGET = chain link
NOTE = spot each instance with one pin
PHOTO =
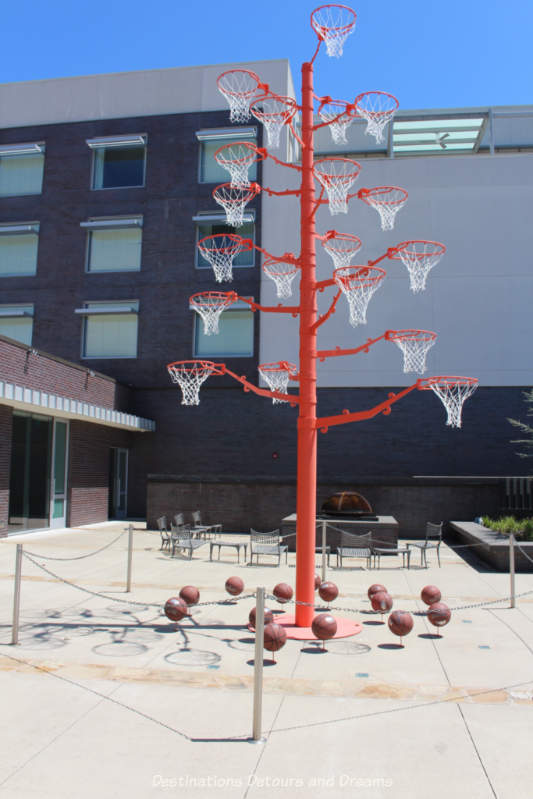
(79, 557)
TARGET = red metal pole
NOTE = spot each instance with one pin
(307, 432)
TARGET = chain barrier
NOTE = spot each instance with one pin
(79, 557)
(519, 548)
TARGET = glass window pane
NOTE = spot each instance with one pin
(111, 336)
(210, 171)
(235, 337)
(117, 167)
(18, 254)
(21, 174)
(19, 328)
(247, 231)
(60, 444)
(115, 250)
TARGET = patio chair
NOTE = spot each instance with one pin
(204, 530)
(355, 546)
(433, 540)
(267, 544)
(182, 538)
(164, 532)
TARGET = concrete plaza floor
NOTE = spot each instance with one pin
(106, 698)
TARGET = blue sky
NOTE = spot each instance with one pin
(429, 54)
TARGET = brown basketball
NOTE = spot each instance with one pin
(283, 592)
(324, 626)
(381, 601)
(430, 594)
(439, 614)
(318, 580)
(234, 586)
(274, 636)
(269, 616)
(400, 622)
(328, 591)
(175, 608)
(375, 588)
(190, 594)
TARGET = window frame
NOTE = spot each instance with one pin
(214, 218)
(21, 229)
(123, 142)
(225, 136)
(107, 308)
(15, 151)
(238, 307)
(18, 310)
(110, 224)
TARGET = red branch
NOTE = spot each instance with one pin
(384, 407)
(255, 306)
(325, 317)
(263, 392)
(323, 354)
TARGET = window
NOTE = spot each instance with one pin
(210, 141)
(235, 337)
(18, 249)
(21, 169)
(118, 161)
(109, 329)
(114, 245)
(16, 322)
(211, 224)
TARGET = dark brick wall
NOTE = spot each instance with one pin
(5, 459)
(88, 490)
(20, 365)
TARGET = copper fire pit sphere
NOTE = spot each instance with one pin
(347, 503)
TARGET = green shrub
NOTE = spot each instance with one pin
(522, 528)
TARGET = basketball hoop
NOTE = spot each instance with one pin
(452, 391)
(210, 304)
(338, 116)
(358, 283)
(282, 273)
(333, 24)
(419, 257)
(277, 376)
(233, 200)
(239, 87)
(342, 247)
(190, 375)
(273, 111)
(221, 250)
(337, 175)
(237, 158)
(387, 200)
(415, 345)
(378, 109)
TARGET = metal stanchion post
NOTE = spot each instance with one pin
(324, 525)
(16, 596)
(512, 569)
(258, 662)
(130, 555)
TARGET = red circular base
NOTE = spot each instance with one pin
(345, 628)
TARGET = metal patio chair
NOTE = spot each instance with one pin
(204, 530)
(164, 532)
(267, 544)
(433, 540)
(355, 546)
(183, 538)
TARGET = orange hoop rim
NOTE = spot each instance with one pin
(439, 249)
(259, 152)
(244, 244)
(202, 299)
(322, 31)
(446, 380)
(410, 335)
(194, 364)
(270, 264)
(332, 177)
(287, 115)
(361, 274)
(379, 114)
(366, 194)
(242, 93)
(341, 237)
(249, 192)
(278, 366)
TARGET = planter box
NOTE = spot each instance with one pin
(493, 547)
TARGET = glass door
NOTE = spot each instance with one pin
(29, 482)
(58, 494)
(118, 483)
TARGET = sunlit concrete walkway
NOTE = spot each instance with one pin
(107, 698)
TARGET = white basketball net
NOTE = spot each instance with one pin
(238, 87)
(209, 305)
(331, 111)
(237, 158)
(221, 250)
(233, 200)
(415, 345)
(190, 375)
(358, 284)
(333, 24)
(452, 392)
(282, 274)
(273, 113)
(378, 109)
(342, 247)
(419, 257)
(337, 175)
(387, 200)
(277, 376)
